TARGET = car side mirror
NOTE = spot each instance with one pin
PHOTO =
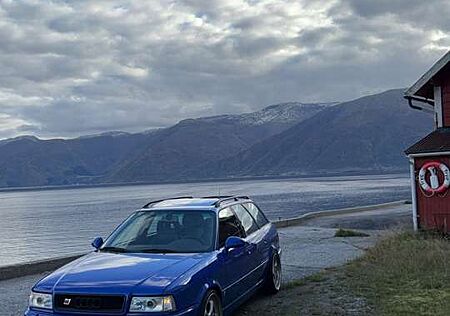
(234, 242)
(97, 243)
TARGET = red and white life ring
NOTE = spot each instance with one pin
(434, 186)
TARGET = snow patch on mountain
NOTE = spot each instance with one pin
(289, 112)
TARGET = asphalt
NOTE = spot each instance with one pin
(307, 249)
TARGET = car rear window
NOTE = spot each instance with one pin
(247, 221)
(259, 217)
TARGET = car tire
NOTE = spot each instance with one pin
(273, 276)
(211, 305)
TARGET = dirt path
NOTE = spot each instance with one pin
(308, 250)
(320, 295)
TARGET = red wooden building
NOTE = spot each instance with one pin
(430, 157)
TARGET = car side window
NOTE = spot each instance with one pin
(229, 225)
(247, 221)
(256, 213)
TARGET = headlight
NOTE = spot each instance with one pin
(152, 304)
(41, 300)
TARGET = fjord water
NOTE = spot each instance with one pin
(43, 224)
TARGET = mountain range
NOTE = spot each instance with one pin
(368, 134)
(364, 135)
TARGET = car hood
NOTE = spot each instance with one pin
(120, 273)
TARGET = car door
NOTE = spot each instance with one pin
(235, 261)
(264, 238)
(255, 247)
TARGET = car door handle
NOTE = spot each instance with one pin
(251, 248)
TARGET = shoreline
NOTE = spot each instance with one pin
(209, 180)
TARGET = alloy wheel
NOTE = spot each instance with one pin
(212, 306)
(276, 273)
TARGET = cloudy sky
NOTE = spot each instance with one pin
(69, 68)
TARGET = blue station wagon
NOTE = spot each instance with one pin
(180, 256)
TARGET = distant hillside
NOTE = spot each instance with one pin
(153, 155)
(191, 143)
(29, 161)
(366, 134)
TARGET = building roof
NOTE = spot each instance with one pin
(437, 141)
(423, 87)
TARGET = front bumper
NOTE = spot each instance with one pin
(192, 311)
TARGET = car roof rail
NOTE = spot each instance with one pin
(217, 196)
(230, 198)
(162, 200)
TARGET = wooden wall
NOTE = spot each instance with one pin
(445, 86)
(433, 212)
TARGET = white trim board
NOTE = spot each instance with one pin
(438, 106)
(413, 193)
(439, 153)
(428, 75)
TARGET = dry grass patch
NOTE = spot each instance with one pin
(405, 274)
(349, 233)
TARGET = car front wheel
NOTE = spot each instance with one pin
(212, 305)
(273, 278)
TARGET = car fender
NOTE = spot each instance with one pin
(210, 285)
(195, 283)
(275, 250)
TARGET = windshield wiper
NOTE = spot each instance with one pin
(113, 249)
(156, 250)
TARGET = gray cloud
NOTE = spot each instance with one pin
(73, 67)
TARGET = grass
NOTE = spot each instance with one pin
(404, 274)
(349, 233)
(314, 278)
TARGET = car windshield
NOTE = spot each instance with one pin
(164, 231)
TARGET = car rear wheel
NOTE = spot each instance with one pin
(212, 305)
(273, 278)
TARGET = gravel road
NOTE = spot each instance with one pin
(306, 250)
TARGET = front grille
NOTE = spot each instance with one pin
(89, 303)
